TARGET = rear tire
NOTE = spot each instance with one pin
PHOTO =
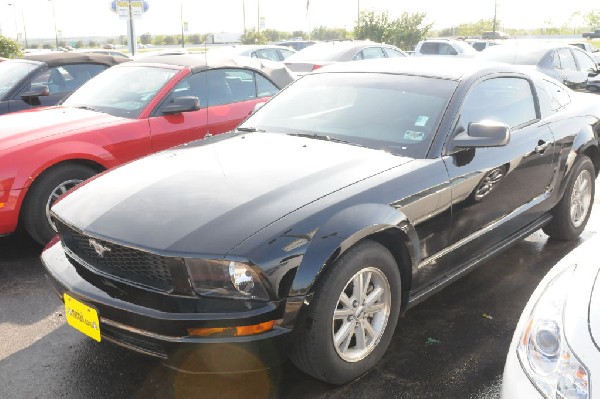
(571, 214)
(44, 192)
(346, 329)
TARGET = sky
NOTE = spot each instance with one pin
(76, 18)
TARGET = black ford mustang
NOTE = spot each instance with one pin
(351, 196)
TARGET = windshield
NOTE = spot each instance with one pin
(11, 72)
(514, 54)
(382, 111)
(121, 91)
(465, 47)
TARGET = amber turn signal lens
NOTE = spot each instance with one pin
(239, 331)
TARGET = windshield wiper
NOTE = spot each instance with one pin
(325, 137)
(249, 129)
(87, 108)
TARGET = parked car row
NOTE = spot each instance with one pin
(311, 224)
(131, 110)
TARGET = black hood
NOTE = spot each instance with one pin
(205, 199)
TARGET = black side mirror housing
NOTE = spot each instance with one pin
(36, 91)
(182, 104)
(483, 134)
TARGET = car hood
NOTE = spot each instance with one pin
(22, 127)
(206, 197)
(594, 310)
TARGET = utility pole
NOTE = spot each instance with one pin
(495, 13)
(358, 13)
(182, 26)
(244, 14)
(54, 17)
(258, 20)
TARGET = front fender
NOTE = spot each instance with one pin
(40, 158)
(343, 230)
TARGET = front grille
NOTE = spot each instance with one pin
(117, 260)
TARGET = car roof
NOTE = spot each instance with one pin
(54, 59)
(454, 69)
(276, 71)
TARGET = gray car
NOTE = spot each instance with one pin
(326, 53)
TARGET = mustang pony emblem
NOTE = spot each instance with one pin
(99, 248)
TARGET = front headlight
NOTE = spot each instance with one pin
(224, 278)
(543, 350)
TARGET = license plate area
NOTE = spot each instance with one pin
(82, 317)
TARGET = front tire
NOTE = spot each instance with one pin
(352, 316)
(571, 214)
(44, 192)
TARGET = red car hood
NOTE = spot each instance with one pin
(22, 127)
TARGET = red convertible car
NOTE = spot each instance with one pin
(124, 113)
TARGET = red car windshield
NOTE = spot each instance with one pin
(121, 91)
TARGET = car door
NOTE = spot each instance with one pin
(498, 190)
(569, 74)
(227, 97)
(585, 64)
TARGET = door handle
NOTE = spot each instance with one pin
(542, 146)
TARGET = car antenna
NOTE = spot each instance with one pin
(208, 134)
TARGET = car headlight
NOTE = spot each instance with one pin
(543, 350)
(224, 278)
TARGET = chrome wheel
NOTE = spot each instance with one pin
(57, 192)
(581, 198)
(361, 314)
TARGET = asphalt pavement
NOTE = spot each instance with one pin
(453, 345)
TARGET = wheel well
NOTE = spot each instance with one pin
(594, 154)
(395, 241)
(84, 162)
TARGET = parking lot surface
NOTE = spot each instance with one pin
(453, 345)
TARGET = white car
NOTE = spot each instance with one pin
(444, 47)
(555, 350)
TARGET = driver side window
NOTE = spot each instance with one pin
(504, 100)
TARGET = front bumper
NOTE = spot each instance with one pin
(10, 202)
(154, 332)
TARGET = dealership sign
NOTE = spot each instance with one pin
(121, 7)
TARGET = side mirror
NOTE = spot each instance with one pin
(36, 91)
(182, 104)
(483, 134)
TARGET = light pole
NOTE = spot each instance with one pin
(258, 18)
(182, 25)
(54, 17)
(15, 19)
(494, 23)
(23, 20)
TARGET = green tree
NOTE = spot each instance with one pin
(408, 30)
(475, 29)
(79, 44)
(592, 20)
(299, 33)
(146, 38)
(375, 27)
(92, 44)
(404, 32)
(325, 33)
(170, 40)
(254, 37)
(9, 48)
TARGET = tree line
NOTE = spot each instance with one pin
(404, 31)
